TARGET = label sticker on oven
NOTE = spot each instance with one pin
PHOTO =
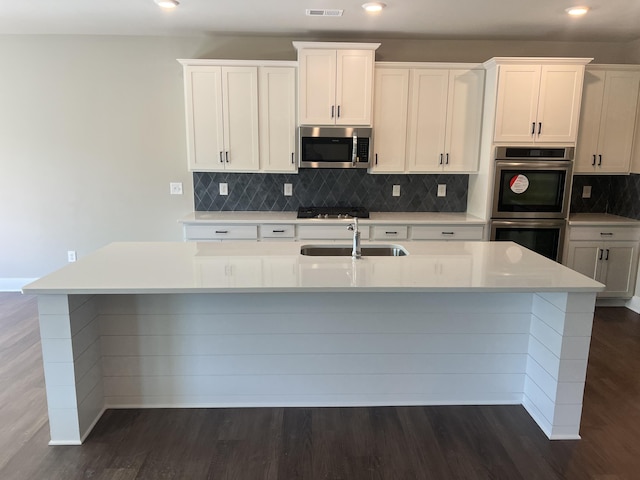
(519, 183)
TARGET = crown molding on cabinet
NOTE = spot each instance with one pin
(492, 62)
(336, 45)
(204, 62)
(435, 65)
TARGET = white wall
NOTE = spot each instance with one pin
(92, 132)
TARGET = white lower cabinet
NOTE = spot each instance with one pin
(608, 255)
(220, 232)
(330, 232)
(447, 232)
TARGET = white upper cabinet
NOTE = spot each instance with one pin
(445, 120)
(390, 111)
(277, 119)
(222, 118)
(427, 119)
(538, 101)
(335, 83)
(607, 120)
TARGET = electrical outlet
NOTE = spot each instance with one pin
(442, 189)
(71, 256)
(586, 191)
(396, 191)
(224, 189)
(288, 189)
(175, 188)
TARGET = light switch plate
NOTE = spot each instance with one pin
(586, 191)
(71, 256)
(175, 188)
(224, 189)
(396, 191)
(442, 189)
(288, 189)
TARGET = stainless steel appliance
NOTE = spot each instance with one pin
(334, 147)
(531, 194)
(333, 212)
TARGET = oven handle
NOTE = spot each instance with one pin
(535, 164)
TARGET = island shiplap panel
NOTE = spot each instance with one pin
(314, 349)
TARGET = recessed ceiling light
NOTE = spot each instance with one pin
(373, 7)
(167, 3)
(577, 11)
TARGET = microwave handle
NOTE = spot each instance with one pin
(354, 152)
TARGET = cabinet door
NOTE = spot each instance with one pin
(617, 121)
(390, 120)
(277, 119)
(464, 120)
(584, 258)
(317, 94)
(428, 113)
(590, 112)
(618, 273)
(354, 86)
(203, 99)
(240, 104)
(559, 103)
(517, 103)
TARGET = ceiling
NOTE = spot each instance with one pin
(608, 20)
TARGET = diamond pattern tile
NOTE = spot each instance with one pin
(328, 187)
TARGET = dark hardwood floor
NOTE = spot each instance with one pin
(483, 442)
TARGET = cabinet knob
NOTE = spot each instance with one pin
(221, 159)
(440, 159)
(594, 160)
(607, 256)
(338, 111)
(376, 158)
(600, 252)
(447, 159)
(333, 109)
(606, 234)
(599, 160)
(533, 128)
(227, 156)
(539, 128)
(293, 158)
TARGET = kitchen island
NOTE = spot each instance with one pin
(143, 325)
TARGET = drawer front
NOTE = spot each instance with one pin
(329, 232)
(390, 232)
(447, 232)
(604, 233)
(221, 232)
(277, 231)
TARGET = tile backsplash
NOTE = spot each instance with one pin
(329, 187)
(614, 194)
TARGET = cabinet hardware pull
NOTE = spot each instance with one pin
(293, 158)
(594, 160)
(533, 128)
(607, 257)
(391, 233)
(447, 159)
(606, 234)
(539, 128)
(376, 158)
(338, 111)
(599, 160)
(222, 231)
(333, 110)
(221, 159)
(440, 159)
(600, 251)
(277, 231)
(227, 155)
(448, 233)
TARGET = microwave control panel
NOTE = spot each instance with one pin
(363, 149)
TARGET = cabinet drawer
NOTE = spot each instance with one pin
(277, 231)
(382, 232)
(604, 233)
(447, 232)
(221, 232)
(329, 232)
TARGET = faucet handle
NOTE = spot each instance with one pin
(350, 227)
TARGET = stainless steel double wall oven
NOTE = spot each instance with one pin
(531, 194)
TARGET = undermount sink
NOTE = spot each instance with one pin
(345, 251)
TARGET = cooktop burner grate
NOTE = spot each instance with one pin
(333, 212)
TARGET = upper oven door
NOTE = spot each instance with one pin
(531, 189)
(334, 147)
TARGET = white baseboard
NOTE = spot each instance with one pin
(14, 284)
(633, 304)
(611, 302)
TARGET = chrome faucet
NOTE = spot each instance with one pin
(356, 252)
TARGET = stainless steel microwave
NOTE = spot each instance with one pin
(334, 147)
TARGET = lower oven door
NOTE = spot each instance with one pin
(545, 237)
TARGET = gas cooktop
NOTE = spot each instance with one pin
(332, 212)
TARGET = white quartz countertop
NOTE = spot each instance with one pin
(594, 219)
(193, 267)
(409, 218)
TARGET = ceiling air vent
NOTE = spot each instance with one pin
(320, 12)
